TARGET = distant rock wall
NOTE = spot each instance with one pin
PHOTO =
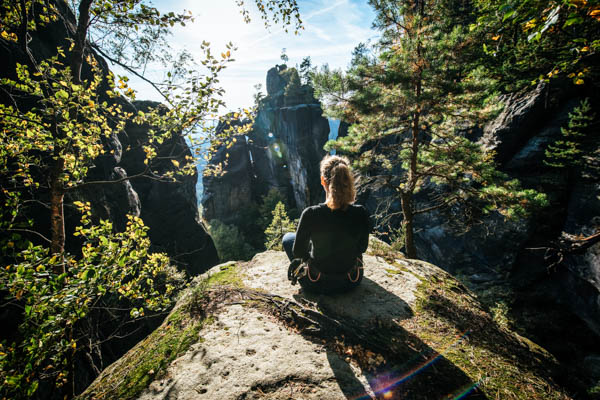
(282, 151)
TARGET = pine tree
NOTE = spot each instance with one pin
(279, 226)
(413, 106)
(570, 150)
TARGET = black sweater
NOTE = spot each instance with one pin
(332, 239)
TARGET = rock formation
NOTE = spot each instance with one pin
(282, 151)
(410, 330)
(518, 257)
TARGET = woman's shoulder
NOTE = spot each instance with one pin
(316, 209)
(358, 208)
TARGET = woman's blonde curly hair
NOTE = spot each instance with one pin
(339, 180)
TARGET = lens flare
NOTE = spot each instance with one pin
(385, 383)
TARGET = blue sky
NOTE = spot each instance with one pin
(332, 29)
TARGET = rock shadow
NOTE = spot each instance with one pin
(369, 302)
(485, 333)
(396, 363)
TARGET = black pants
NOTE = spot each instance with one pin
(319, 282)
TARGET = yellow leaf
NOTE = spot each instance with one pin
(586, 48)
(175, 163)
(571, 75)
(228, 53)
(579, 81)
(496, 37)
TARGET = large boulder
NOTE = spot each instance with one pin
(410, 330)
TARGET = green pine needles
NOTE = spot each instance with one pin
(280, 225)
(571, 150)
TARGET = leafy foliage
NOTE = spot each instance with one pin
(113, 267)
(268, 204)
(531, 41)
(51, 132)
(280, 225)
(414, 104)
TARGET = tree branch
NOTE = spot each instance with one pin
(128, 68)
(140, 175)
(437, 206)
(30, 231)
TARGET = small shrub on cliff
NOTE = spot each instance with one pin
(269, 202)
(576, 143)
(279, 226)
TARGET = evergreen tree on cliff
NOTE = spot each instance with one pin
(414, 104)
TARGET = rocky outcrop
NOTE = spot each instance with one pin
(282, 151)
(169, 209)
(408, 331)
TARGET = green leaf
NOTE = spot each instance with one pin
(62, 94)
(88, 274)
(508, 15)
(573, 21)
(32, 388)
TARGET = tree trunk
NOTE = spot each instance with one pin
(57, 217)
(23, 28)
(407, 224)
(57, 191)
(80, 34)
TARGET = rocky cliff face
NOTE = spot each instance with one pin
(516, 258)
(409, 331)
(282, 151)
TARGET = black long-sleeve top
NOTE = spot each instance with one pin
(332, 239)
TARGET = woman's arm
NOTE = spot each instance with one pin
(302, 243)
(364, 238)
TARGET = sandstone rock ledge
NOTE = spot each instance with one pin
(409, 331)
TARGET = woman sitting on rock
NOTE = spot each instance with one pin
(326, 250)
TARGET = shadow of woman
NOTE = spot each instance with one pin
(389, 362)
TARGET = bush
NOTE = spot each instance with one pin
(114, 271)
(230, 242)
(279, 226)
